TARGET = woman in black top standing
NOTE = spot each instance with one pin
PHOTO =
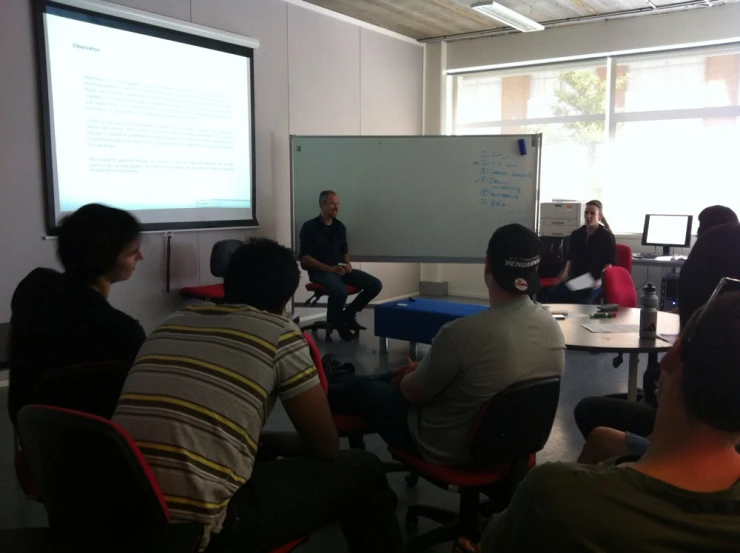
(592, 250)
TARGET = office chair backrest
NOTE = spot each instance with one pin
(619, 287)
(91, 476)
(221, 255)
(69, 387)
(318, 363)
(516, 422)
(554, 256)
(624, 257)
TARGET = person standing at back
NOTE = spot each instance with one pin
(592, 250)
(324, 254)
(60, 321)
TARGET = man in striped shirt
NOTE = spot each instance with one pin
(200, 392)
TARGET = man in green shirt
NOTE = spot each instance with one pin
(683, 495)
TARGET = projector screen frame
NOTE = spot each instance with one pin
(122, 18)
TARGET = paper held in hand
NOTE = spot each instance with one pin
(581, 283)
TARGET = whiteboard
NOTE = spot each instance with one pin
(418, 198)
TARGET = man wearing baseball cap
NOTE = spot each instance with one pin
(429, 408)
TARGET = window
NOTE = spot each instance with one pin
(653, 133)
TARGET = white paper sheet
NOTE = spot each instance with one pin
(581, 283)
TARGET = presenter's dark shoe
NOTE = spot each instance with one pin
(351, 320)
(345, 333)
(353, 325)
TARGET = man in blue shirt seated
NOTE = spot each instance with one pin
(325, 255)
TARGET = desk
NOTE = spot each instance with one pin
(578, 338)
(417, 320)
(669, 264)
(420, 320)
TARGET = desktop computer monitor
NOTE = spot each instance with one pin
(667, 231)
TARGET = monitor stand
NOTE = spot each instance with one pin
(668, 257)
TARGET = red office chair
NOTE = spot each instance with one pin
(95, 484)
(549, 282)
(511, 428)
(619, 288)
(318, 292)
(23, 471)
(288, 547)
(62, 387)
(318, 363)
(624, 257)
(69, 387)
(97, 487)
(220, 256)
(554, 257)
(353, 428)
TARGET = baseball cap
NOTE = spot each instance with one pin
(514, 252)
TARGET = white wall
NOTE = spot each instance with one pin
(314, 74)
(349, 80)
(717, 24)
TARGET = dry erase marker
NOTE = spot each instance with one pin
(562, 313)
(603, 316)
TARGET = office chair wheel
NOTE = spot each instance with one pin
(412, 479)
(412, 519)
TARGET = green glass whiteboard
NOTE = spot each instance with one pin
(418, 198)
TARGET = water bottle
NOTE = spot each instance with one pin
(649, 312)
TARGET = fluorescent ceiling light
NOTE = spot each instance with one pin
(507, 16)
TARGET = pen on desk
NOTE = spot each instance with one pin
(603, 316)
(563, 313)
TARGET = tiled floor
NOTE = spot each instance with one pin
(585, 374)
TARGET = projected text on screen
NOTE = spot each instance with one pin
(154, 126)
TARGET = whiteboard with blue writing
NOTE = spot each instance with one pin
(418, 198)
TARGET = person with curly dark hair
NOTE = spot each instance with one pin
(196, 401)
